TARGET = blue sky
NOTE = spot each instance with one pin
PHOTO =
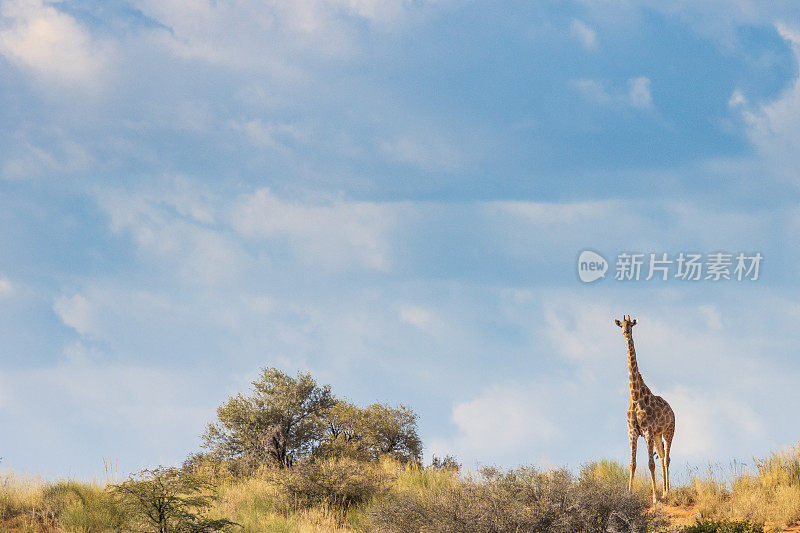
(392, 195)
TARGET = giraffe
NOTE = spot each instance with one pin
(649, 416)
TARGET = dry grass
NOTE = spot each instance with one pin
(20, 503)
(343, 496)
(28, 505)
(253, 504)
(767, 494)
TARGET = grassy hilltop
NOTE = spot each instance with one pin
(292, 457)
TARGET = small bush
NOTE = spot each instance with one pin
(334, 483)
(683, 496)
(724, 526)
(448, 462)
(167, 500)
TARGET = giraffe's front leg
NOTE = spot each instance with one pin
(652, 462)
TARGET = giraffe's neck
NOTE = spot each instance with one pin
(638, 388)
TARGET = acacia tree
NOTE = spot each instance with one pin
(346, 433)
(282, 418)
(371, 433)
(166, 500)
(393, 432)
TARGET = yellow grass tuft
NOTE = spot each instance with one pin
(20, 498)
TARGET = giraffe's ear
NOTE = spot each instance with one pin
(617, 323)
(634, 322)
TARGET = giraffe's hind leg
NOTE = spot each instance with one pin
(659, 446)
(634, 440)
(667, 445)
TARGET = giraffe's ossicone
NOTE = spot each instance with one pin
(649, 416)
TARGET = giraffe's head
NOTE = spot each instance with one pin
(627, 325)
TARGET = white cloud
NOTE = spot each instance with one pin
(737, 99)
(272, 34)
(773, 127)
(586, 35)
(29, 160)
(99, 398)
(51, 44)
(416, 316)
(177, 224)
(77, 313)
(715, 20)
(102, 312)
(336, 233)
(712, 315)
(672, 335)
(637, 96)
(583, 333)
(566, 228)
(503, 419)
(704, 423)
(374, 10)
(269, 134)
(788, 32)
(6, 287)
(427, 152)
(557, 213)
(639, 93)
(593, 90)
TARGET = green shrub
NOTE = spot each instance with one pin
(603, 501)
(524, 499)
